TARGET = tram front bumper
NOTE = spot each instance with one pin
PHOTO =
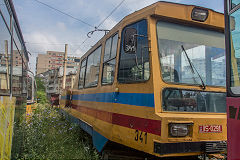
(188, 147)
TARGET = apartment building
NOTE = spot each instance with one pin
(53, 79)
(53, 60)
(70, 78)
(17, 59)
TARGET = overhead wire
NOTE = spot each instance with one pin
(66, 14)
(110, 13)
(41, 43)
(83, 43)
(33, 54)
(38, 43)
(104, 30)
(96, 28)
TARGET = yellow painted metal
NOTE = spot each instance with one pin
(234, 65)
(125, 136)
(63, 103)
(28, 112)
(7, 110)
(155, 85)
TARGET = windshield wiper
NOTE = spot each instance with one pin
(193, 67)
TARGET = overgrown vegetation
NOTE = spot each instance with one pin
(41, 94)
(47, 135)
(40, 84)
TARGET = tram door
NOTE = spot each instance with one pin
(232, 23)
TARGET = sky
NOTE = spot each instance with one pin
(45, 29)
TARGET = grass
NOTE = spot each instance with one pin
(47, 135)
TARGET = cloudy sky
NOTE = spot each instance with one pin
(46, 29)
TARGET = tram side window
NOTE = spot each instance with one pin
(29, 88)
(134, 66)
(109, 60)
(82, 74)
(17, 82)
(25, 74)
(93, 66)
(5, 48)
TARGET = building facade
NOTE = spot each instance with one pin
(70, 78)
(53, 60)
(53, 80)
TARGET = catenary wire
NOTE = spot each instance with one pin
(78, 19)
(103, 21)
(66, 14)
(110, 13)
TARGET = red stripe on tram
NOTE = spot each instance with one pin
(137, 123)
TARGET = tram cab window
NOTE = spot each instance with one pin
(109, 60)
(235, 51)
(92, 70)
(134, 66)
(234, 3)
(186, 51)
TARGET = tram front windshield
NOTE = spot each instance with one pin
(191, 56)
(203, 48)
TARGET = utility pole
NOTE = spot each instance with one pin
(64, 67)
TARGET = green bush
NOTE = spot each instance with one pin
(40, 84)
(41, 97)
(47, 135)
(41, 94)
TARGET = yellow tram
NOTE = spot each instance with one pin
(155, 83)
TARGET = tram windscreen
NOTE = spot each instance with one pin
(185, 51)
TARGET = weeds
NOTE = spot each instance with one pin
(47, 135)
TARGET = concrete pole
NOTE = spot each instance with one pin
(64, 67)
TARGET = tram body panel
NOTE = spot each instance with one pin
(233, 129)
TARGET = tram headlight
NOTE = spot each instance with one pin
(178, 130)
(199, 14)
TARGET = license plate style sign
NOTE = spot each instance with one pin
(210, 129)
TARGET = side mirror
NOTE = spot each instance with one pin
(130, 41)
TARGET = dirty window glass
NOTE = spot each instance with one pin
(135, 67)
(193, 101)
(82, 74)
(109, 60)
(92, 70)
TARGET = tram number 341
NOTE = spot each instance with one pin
(141, 136)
